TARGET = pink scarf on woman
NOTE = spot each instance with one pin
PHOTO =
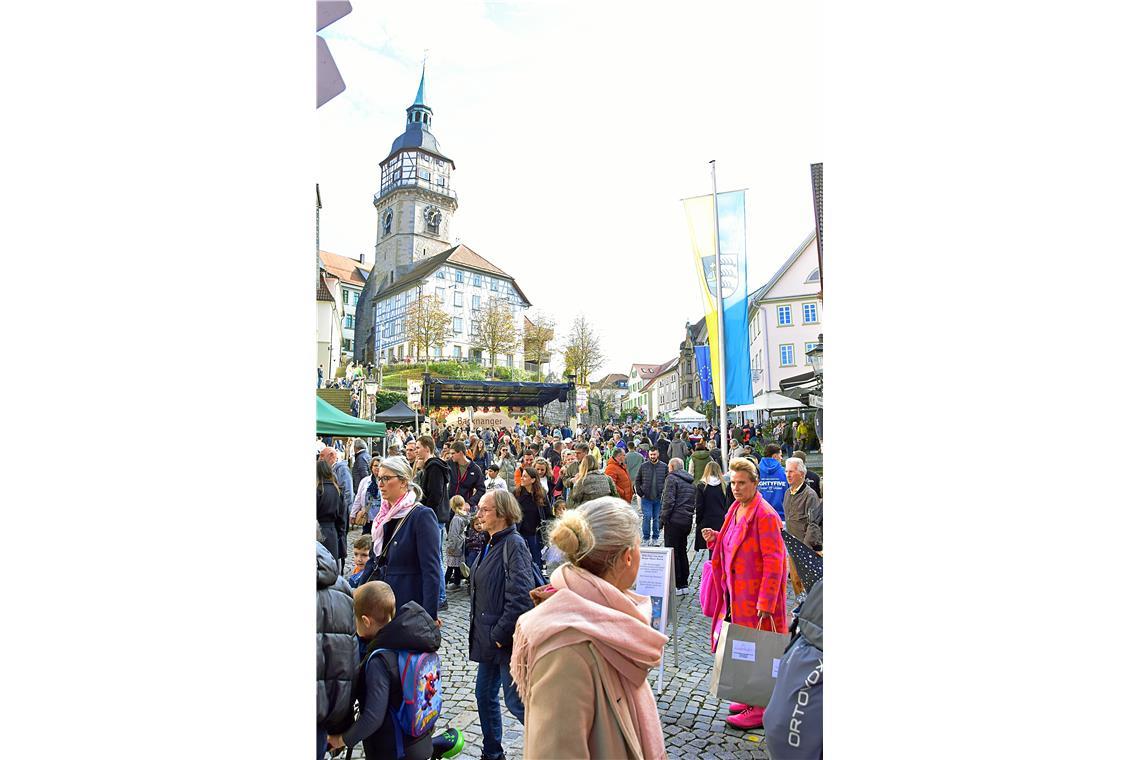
(587, 608)
(390, 512)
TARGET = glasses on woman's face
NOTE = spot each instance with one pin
(383, 479)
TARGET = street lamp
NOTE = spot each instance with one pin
(815, 356)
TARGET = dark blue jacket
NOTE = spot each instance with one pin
(413, 560)
(500, 592)
(471, 486)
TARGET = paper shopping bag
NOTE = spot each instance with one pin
(747, 664)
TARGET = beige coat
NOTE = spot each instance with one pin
(575, 711)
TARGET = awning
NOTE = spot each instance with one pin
(443, 391)
(768, 401)
(808, 380)
(332, 421)
(397, 413)
(688, 415)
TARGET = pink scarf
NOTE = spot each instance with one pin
(389, 512)
(587, 608)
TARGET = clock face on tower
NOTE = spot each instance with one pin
(433, 216)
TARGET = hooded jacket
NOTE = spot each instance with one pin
(699, 461)
(594, 485)
(773, 484)
(377, 682)
(336, 645)
(678, 449)
(434, 479)
(620, 476)
(679, 503)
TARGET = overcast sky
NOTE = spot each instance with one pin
(576, 128)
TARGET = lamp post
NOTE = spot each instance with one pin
(815, 356)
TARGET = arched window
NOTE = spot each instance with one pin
(388, 222)
(813, 277)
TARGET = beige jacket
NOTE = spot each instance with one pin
(574, 710)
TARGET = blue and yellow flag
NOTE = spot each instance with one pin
(734, 288)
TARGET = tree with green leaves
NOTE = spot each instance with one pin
(494, 330)
(582, 350)
(426, 324)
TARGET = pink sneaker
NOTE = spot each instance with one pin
(737, 707)
(753, 717)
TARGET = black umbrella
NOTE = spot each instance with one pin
(809, 565)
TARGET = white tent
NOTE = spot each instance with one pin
(687, 416)
(769, 401)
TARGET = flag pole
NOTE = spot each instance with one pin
(720, 331)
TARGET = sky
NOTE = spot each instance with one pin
(576, 129)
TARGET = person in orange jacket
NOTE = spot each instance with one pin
(615, 468)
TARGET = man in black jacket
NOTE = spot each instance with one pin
(361, 465)
(649, 486)
(433, 476)
(678, 505)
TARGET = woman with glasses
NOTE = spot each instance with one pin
(406, 543)
(501, 581)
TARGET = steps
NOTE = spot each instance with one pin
(341, 398)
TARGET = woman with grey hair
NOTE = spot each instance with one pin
(405, 539)
(582, 657)
(501, 581)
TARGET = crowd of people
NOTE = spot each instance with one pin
(543, 526)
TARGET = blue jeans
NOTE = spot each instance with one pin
(488, 679)
(442, 565)
(535, 545)
(650, 517)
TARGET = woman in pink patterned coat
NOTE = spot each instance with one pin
(749, 570)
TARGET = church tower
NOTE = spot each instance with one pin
(415, 203)
(414, 207)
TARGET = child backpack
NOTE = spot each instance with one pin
(420, 700)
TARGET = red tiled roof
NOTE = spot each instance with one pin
(345, 268)
(325, 288)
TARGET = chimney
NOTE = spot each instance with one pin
(362, 258)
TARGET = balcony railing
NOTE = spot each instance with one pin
(423, 184)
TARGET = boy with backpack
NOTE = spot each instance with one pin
(397, 683)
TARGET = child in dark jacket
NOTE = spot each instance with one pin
(361, 551)
(377, 684)
(474, 541)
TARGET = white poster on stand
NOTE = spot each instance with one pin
(655, 580)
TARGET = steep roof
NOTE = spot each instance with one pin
(458, 255)
(646, 370)
(763, 291)
(325, 289)
(609, 380)
(661, 371)
(352, 271)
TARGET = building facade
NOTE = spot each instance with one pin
(464, 283)
(785, 319)
(638, 397)
(330, 312)
(664, 390)
(353, 276)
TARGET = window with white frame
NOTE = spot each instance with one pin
(457, 325)
(459, 275)
(809, 346)
(475, 302)
(440, 293)
(783, 315)
(440, 274)
(477, 280)
(494, 285)
(457, 352)
(810, 313)
(458, 300)
(344, 295)
(787, 355)
(813, 277)
(436, 351)
(349, 321)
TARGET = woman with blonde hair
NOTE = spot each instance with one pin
(590, 483)
(749, 571)
(712, 502)
(582, 656)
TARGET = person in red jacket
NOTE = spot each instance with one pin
(615, 468)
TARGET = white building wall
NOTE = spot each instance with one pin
(766, 336)
(328, 329)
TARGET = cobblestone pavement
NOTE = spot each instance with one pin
(692, 719)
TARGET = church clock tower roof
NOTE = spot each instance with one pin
(417, 134)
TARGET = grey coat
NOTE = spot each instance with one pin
(678, 449)
(336, 645)
(595, 485)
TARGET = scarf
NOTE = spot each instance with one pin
(373, 488)
(390, 512)
(587, 608)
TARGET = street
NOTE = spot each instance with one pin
(691, 718)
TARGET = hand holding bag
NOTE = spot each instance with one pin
(381, 571)
(747, 664)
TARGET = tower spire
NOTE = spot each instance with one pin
(420, 92)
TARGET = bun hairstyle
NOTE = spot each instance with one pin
(595, 535)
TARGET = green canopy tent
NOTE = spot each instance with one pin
(332, 421)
